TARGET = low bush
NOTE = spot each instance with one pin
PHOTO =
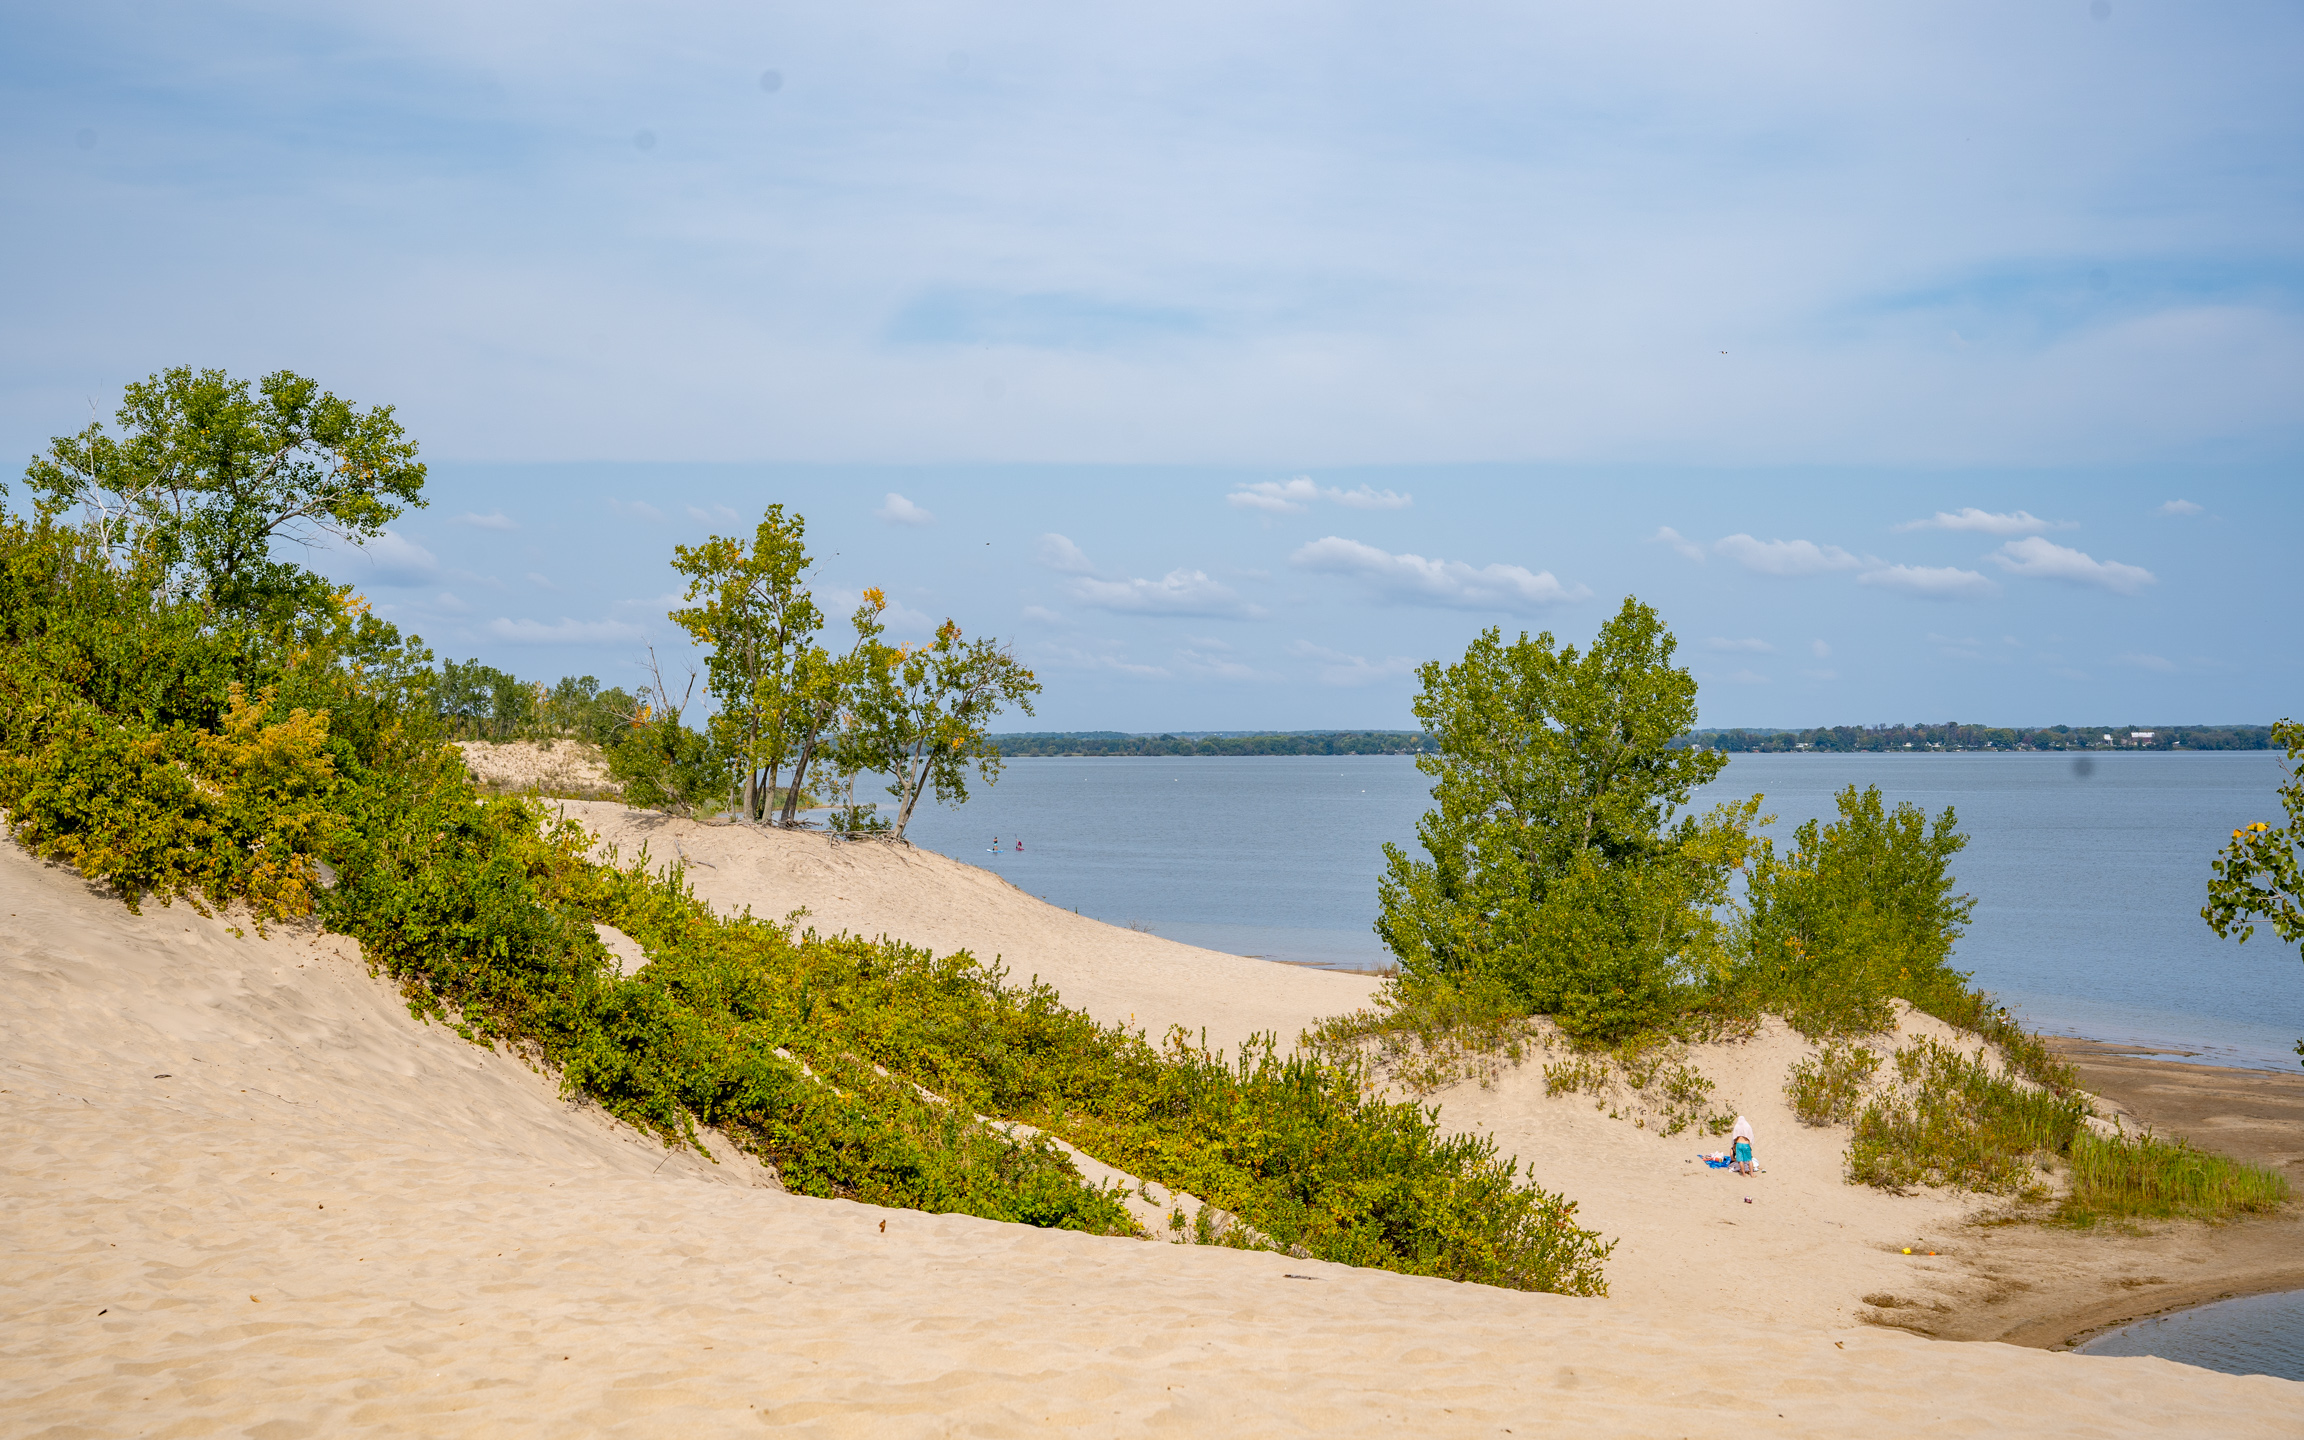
(1828, 1087)
(1952, 1121)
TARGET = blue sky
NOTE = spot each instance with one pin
(1561, 277)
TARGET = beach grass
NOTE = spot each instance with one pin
(2143, 1177)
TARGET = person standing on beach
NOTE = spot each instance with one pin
(1740, 1147)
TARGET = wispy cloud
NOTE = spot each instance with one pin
(1784, 557)
(1213, 664)
(1986, 522)
(1933, 582)
(563, 631)
(1338, 668)
(717, 512)
(2179, 507)
(639, 509)
(1452, 583)
(1666, 535)
(1182, 591)
(1042, 614)
(1179, 592)
(493, 520)
(2143, 661)
(1755, 646)
(897, 510)
(2046, 560)
(1819, 649)
(398, 561)
(1059, 554)
(1292, 497)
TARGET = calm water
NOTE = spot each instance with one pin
(2088, 886)
(2261, 1335)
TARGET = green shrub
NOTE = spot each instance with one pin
(1828, 1087)
(1955, 1123)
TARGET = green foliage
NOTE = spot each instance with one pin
(204, 475)
(759, 623)
(1827, 1088)
(1554, 868)
(920, 714)
(1858, 912)
(662, 764)
(2260, 874)
(2146, 1178)
(1954, 1122)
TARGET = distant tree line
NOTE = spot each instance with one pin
(1301, 742)
(1954, 736)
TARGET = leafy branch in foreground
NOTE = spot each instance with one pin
(2260, 874)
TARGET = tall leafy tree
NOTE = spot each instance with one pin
(750, 607)
(205, 474)
(2260, 874)
(921, 715)
(1553, 865)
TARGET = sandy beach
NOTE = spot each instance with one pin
(248, 1194)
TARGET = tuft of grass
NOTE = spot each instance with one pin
(1430, 1038)
(1953, 1122)
(2145, 1177)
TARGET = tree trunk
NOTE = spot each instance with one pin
(799, 777)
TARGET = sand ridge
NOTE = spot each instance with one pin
(248, 1194)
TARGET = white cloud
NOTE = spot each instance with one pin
(1821, 674)
(564, 631)
(640, 508)
(2149, 662)
(1821, 650)
(2046, 560)
(717, 512)
(493, 520)
(897, 510)
(1436, 582)
(2179, 507)
(1666, 535)
(1935, 582)
(1042, 614)
(398, 561)
(541, 582)
(1179, 592)
(1745, 677)
(1213, 665)
(450, 602)
(1338, 668)
(1292, 497)
(1071, 657)
(1063, 557)
(1723, 643)
(1784, 557)
(1985, 522)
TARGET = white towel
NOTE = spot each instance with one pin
(1743, 1130)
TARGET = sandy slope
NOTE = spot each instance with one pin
(327, 1217)
(873, 889)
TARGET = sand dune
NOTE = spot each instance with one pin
(247, 1194)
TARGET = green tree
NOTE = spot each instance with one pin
(205, 475)
(758, 620)
(1554, 869)
(2259, 876)
(824, 687)
(1857, 911)
(921, 714)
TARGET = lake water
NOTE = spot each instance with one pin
(2259, 1335)
(2088, 878)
